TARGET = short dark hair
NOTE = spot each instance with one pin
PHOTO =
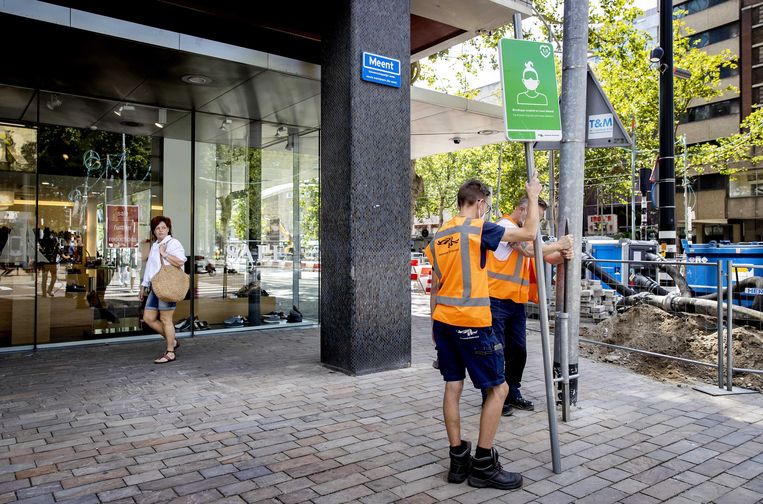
(158, 219)
(524, 200)
(471, 191)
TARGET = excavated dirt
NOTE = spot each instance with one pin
(690, 336)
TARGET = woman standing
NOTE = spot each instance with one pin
(157, 313)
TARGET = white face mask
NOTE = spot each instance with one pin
(485, 213)
(531, 84)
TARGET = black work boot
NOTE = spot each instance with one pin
(487, 472)
(460, 464)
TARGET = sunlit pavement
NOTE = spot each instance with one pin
(254, 417)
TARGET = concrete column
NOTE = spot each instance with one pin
(365, 191)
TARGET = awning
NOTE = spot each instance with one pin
(444, 123)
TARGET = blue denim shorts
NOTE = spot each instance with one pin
(476, 350)
(154, 303)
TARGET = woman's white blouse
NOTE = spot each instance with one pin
(154, 263)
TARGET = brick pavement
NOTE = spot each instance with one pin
(255, 418)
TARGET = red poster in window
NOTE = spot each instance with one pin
(121, 226)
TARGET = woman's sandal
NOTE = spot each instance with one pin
(167, 357)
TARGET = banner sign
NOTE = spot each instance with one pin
(530, 98)
(121, 226)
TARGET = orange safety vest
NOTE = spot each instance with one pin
(512, 278)
(462, 297)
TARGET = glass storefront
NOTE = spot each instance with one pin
(80, 180)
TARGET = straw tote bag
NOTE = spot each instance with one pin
(170, 284)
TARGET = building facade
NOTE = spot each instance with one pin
(285, 173)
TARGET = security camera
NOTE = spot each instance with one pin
(456, 140)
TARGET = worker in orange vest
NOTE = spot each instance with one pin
(462, 328)
(512, 283)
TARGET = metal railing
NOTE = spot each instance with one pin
(723, 361)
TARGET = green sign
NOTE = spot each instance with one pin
(530, 100)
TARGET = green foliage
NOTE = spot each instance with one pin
(62, 150)
(309, 202)
(443, 174)
(621, 62)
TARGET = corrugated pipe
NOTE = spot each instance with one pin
(756, 282)
(678, 303)
(605, 277)
(678, 279)
(647, 284)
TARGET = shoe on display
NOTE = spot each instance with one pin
(488, 473)
(294, 315)
(521, 403)
(235, 321)
(460, 465)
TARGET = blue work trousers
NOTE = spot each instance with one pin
(509, 324)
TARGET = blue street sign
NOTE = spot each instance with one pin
(380, 70)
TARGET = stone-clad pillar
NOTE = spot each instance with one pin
(365, 190)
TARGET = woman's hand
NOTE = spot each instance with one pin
(162, 249)
(140, 294)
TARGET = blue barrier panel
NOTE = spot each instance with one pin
(703, 278)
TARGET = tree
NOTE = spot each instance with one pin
(620, 59)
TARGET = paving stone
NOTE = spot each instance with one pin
(666, 489)
(586, 486)
(698, 455)
(607, 495)
(237, 431)
(739, 496)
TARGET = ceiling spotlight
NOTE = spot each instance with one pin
(197, 79)
(162, 118)
(487, 132)
(54, 101)
(124, 108)
(281, 131)
(225, 123)
(93, 127)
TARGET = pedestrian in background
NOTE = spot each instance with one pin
(157, 313)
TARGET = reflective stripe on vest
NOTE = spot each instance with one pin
(462, 297)
(510, 279)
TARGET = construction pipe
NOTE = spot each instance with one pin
(677, 303)
(605, 277)
(678, 279)
(755, 282)
(647, 284)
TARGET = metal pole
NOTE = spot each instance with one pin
(296, 242)
(571, 173)
(633, 180)
(497, 209)
(551, 217)
(729, 326)
(556, 457)
(551, 193)
(667, 171)
(687, 209)
(719, 320)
